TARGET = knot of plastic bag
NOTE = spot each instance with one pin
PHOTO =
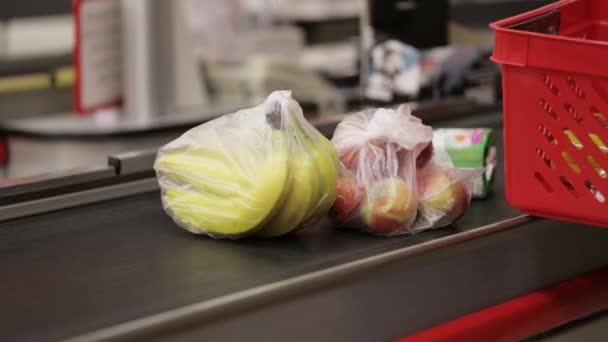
(395, 126)
(285, 113)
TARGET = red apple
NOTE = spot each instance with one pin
(349, 159)
(407, 167)
(389, 207)
(443, 198)
(425, 156)
(348, 198)
(373, 152)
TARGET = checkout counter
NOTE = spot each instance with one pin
(91, 256)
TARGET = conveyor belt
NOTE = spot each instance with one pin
(102, 264)
(74, 271)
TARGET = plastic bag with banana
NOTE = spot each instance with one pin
(262, 171)
(389, 183)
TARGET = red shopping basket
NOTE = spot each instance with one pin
(555, 93)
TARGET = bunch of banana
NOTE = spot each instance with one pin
(265, 179)
(311, 188)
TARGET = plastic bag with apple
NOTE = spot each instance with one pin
(388, 182)
(262, 171)
(445, 195)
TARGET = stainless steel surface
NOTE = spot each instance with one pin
(31, 156)
(142, 75)
(59, 143)
(25, 65)
(18, 105)
(133, 162)
(79, 198)
(155, 58)
(23, 186)
(69, 125)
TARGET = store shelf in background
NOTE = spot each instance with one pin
(64, 77)
(35, 102)
(34, 93)
(36, 36)
(334, 60)
(318, 10)
(10, 66)
(12, 84)
(60, 78)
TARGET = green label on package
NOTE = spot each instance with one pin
(467, 148)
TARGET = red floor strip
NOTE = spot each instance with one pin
(526, 316)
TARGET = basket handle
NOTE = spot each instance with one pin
(532, 40)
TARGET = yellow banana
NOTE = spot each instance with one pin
(215, 194)
(326, 159)
(302, 193)
(209, 175)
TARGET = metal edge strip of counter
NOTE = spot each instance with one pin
(75, 199)
(264, 295)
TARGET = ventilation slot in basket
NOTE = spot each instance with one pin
(543, 182)
(547, 134)
(549, 84)
(598, 142)
(595, 192)
(573, 139)
(596, 166)
(568, 159)
(573, 113)
(576, 89)
(599, 116)
(548, 108)
(566, 183)
(545, 158)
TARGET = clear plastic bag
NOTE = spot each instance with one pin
(261, 171)
(445, 195)
(388, 183)
(377, 191)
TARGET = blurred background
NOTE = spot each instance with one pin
(177, 64)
